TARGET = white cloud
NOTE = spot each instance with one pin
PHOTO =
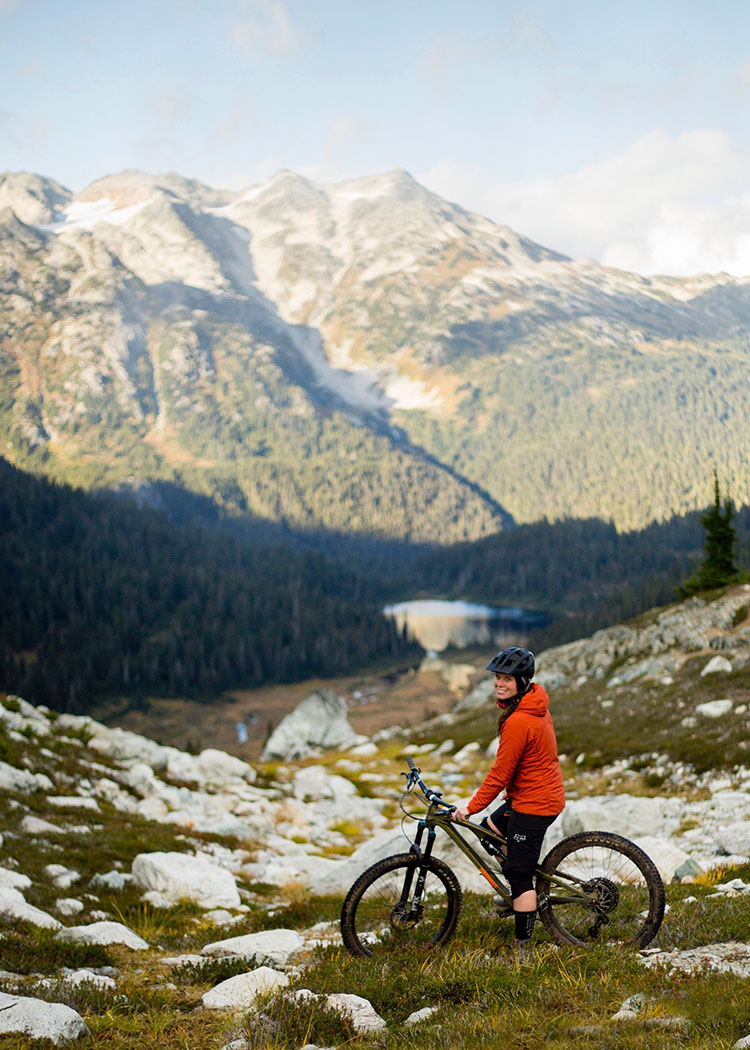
(666, 204)
(264, 26)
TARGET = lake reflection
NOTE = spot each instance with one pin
(437, 624)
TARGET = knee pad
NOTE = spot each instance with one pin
(519, 881)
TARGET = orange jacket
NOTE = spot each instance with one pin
(527, 766)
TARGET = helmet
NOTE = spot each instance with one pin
(516, 662)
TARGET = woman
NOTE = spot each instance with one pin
(527, 770)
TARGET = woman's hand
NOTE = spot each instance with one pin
(461, 813)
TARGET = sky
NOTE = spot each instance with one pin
(618, 132)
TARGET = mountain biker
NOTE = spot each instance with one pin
(527, 770)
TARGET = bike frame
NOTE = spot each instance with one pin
(439, 816)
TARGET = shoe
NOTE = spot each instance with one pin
(501, 908)
(522, 953)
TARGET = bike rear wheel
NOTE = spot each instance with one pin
(597, 887)
(385, 909)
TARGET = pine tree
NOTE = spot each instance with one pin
(718, 568)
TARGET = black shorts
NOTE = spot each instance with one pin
(525, 834)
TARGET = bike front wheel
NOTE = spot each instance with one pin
(403, 901)
(597, 887)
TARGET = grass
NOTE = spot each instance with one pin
(565, 998)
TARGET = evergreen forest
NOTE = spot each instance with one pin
(102, 598)
(105, 598)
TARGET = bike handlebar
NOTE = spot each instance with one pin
(413, 777)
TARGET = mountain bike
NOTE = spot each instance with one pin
(592, 887)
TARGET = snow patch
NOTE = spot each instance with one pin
(84, 215)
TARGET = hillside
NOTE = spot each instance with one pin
(149, 896)
(101, 598)
(364, 357)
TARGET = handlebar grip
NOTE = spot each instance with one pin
(410, 764)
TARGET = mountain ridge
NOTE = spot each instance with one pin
(151, 321)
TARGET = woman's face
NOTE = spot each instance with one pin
(505, 687)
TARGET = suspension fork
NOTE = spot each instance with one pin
(423, 855)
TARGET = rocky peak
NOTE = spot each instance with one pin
(35, 200)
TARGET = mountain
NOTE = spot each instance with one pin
(364, 357)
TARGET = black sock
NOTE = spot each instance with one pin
(524, 924)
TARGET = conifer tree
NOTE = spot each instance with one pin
(718, 568)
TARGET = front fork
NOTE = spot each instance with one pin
(415, 848)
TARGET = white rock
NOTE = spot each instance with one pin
(727, 957)
(319, 722)
(36, 826)
(735, 837)
(315, 782)
(157, 899)
(69, 906)
(221, 917)
(666, 855)
(102, 933)
(274, 946)
(717, 665)
(13, 879)
(111, 880)
(13, 905)
(76, 978)
(239, 993)
(631, 1008)
(179, 876)
(61, 876)
(743, 1043)
(359, 1011)
(73, 802)
(12, 779)
(714, 708)
(421, 1015)
(218, 767)
(40, 1020)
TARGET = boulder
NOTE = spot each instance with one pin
(36, 826)
(179, 876)
(714, 708)
(10, 879)
(272, 946)
(13, 905)
(717, 665)
(240, 993)
(315, 782)
(318, 723)
(358, 1010)
(102, 933)
(735, 837)
(12, 779)
(40, 1020)
(725, 957)
(218, 767)
(667, 857)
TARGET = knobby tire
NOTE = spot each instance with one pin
(375, 918)
(629, 892)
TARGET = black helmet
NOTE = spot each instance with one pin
(516, 662)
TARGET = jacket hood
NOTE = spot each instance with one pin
(535, 702)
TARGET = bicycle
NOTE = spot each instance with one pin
(592, 887)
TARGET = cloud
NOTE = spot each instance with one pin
(666, 204)
(264, 26)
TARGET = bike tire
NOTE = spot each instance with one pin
(629, 892)
(375, 919)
